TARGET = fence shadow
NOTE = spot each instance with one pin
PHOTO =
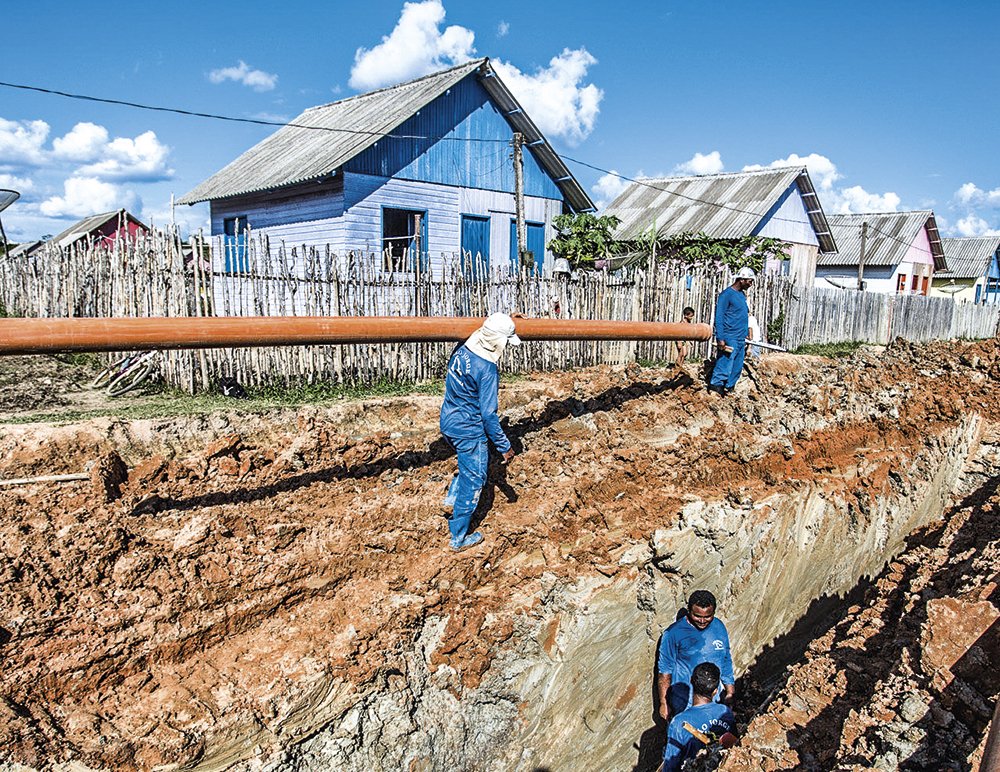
(438, 450)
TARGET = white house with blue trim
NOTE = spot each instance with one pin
(777, 203)
(419, 169)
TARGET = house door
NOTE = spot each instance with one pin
(475, 246)
(536, 243)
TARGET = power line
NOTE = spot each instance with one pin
(361, 132)
(255, 121)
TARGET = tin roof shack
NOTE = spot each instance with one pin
(422, 168)
(973, 272)
(902, 252)
(776, 203)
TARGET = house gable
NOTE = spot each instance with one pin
(468, 147)
(788, 220)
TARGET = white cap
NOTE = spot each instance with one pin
(504, 325)
(746, 273)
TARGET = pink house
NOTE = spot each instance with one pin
(101, 229)
(902, 250)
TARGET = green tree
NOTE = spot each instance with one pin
(584, 238)
(698, 248)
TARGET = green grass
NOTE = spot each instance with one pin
(164, 402)
(832, 350)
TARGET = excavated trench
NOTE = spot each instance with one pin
(274, 593)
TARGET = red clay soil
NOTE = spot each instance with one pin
(212, 589)
(906, 677)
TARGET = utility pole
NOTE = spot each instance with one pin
(522, 228)
(861, 262)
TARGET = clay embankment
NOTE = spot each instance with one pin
(275, 594)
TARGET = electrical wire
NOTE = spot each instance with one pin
(255, 121)
(361, 132)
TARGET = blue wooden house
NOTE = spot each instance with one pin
(418, 172)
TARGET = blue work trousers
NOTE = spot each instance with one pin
(463, 493)
(728, 367)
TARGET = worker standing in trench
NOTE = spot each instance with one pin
(732, 323)
(696, 637)
(469, 420)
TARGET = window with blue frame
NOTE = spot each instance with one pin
(234, 242)
(404, 239)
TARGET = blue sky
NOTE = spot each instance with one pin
(893, 105)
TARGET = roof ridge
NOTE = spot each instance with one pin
(883, 214)
(774, 170)
(436, 74)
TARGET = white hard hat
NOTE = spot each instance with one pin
(746, 273)
(504, 325)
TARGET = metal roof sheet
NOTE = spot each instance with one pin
(723, 206)
(890, 236)
(969, 258)
(323, 138)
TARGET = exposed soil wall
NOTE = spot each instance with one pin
(276, 593)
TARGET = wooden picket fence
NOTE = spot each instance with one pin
(160, 275)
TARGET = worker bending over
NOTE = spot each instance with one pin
(704, 723)
(469, 419)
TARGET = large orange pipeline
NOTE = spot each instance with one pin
(44, 336)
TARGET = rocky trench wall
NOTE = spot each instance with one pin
(573, 689)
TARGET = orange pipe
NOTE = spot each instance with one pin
(44, 336)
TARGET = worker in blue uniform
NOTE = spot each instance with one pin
(732, 323)
(705, 722)
(469, 420)
(696, 637)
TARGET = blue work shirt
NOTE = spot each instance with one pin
(732, 317)
(683, 647)
(712, 718)
(469, 411)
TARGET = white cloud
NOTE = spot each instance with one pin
(22, 142)
(415, 47)
(243, 73)
(970, 194)
(143, 158)
(608, 188)
(84, 196)
(502, 29)
(85, 142)
(20, 184)
(555, 97)
(822, 171)
(857, 200)
(702, 164)
(974, 225)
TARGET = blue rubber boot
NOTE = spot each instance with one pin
(469, 541)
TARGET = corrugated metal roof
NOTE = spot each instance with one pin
(969, 258)
(890, 236)
(723, 206)
(298, 153)
(80, 229)
(24, 249)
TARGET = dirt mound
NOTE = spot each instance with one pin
(220, 589)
